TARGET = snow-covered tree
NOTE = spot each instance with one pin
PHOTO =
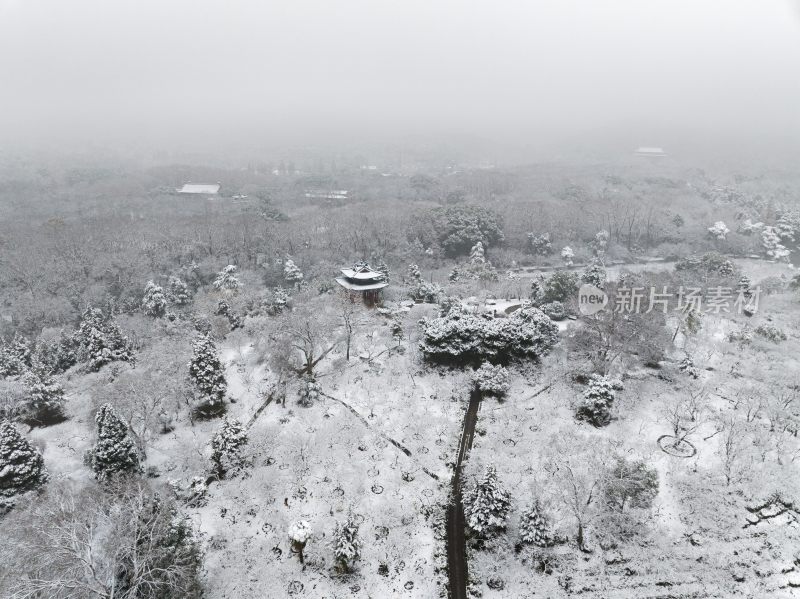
(455, 275)
(595, 274)
(600, 242)
(115, 451)
(277, 302)
(554, 310)
(413, 273)
(423, 291)
(771, 242)
(224, 309)
(178, 291)
(486, 504)
(597, 401)
(561, 286)
(154, 301)
(227, 447)
(491, 380)
(100, 341)
(719, 230)
(54, 356)
(461, 337)
(748, 227)
(477, 255)
(21, 466)
(226, 279)
(346, 544)
(207, 373)
(540, 245)
(383, 268)
(687, 365)
(744, 286)
(308, 392)
(567, 255)
(15, 356)
(630, 483)
(292, 273)
(299, 533)
(537, 291)
(534, 529)
(44, 399)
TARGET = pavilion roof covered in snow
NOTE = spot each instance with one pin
(200, 188)
(361, 278)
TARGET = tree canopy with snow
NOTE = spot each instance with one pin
(226, 279)
(21, 466)
(207, 372)
(154, 301)
(114, 451)
(486, 504)
(227, 447)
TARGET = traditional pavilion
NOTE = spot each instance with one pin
(361, 279)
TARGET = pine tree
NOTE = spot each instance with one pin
(178, 292)
(15, 356)
(154, 302)
(346, 544)
(115, 452)
(491, 380)
(291, 273)
(383, 268)
(206, 370)
(226, 447)
(477, 254)
(534, 528)
(100, 340)
(597, 401)
(224, 309)
(308, 392)
(44, 401)
(413, 273)
(486, 505)
(56, 356)
(21, 466)
(226, 279)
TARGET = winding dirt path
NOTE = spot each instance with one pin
(458, 574)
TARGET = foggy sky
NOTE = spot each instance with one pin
(207, 71)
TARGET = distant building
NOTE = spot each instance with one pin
(208, 189)
(650, 152)
(327, 194)
(362, 280)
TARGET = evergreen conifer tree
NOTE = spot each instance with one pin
(486, 505)
(597, 401)
(207, 372)
(291, 273)
(534, 528)
(44, 402)
(115, 452)
(178, 292)
(346, 544)
(477, 255)
(154, 301)
(226, 447)
(21, 466)
(226, 279)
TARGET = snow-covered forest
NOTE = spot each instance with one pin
(410, 300)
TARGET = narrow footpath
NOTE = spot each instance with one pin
(456, 543)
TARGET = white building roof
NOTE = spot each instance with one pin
(650, 151)
(359, 287)
(202, 188)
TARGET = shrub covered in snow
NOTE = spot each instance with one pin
(486, 505)
(597, 401)
(771, 242)
(413, 273)
(115, 451)
(100, 341)
(709, 263)
(227, 446)
(540, 245)
(562, 286)
(461, 337)
(44, 399)
(299, 533)
(595, 274)
(491, 380)
(226, 279)
(554, 310)
(600, 242)
(425, 292)
(719, 230)
(21, 466)
(534, 529)
(771, 333)
(154, 302)
(346, 543)
(208, 376)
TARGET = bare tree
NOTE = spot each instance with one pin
(304, 339)
(125, 544)
(684, 414)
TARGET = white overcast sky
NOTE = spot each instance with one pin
(159, 69)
